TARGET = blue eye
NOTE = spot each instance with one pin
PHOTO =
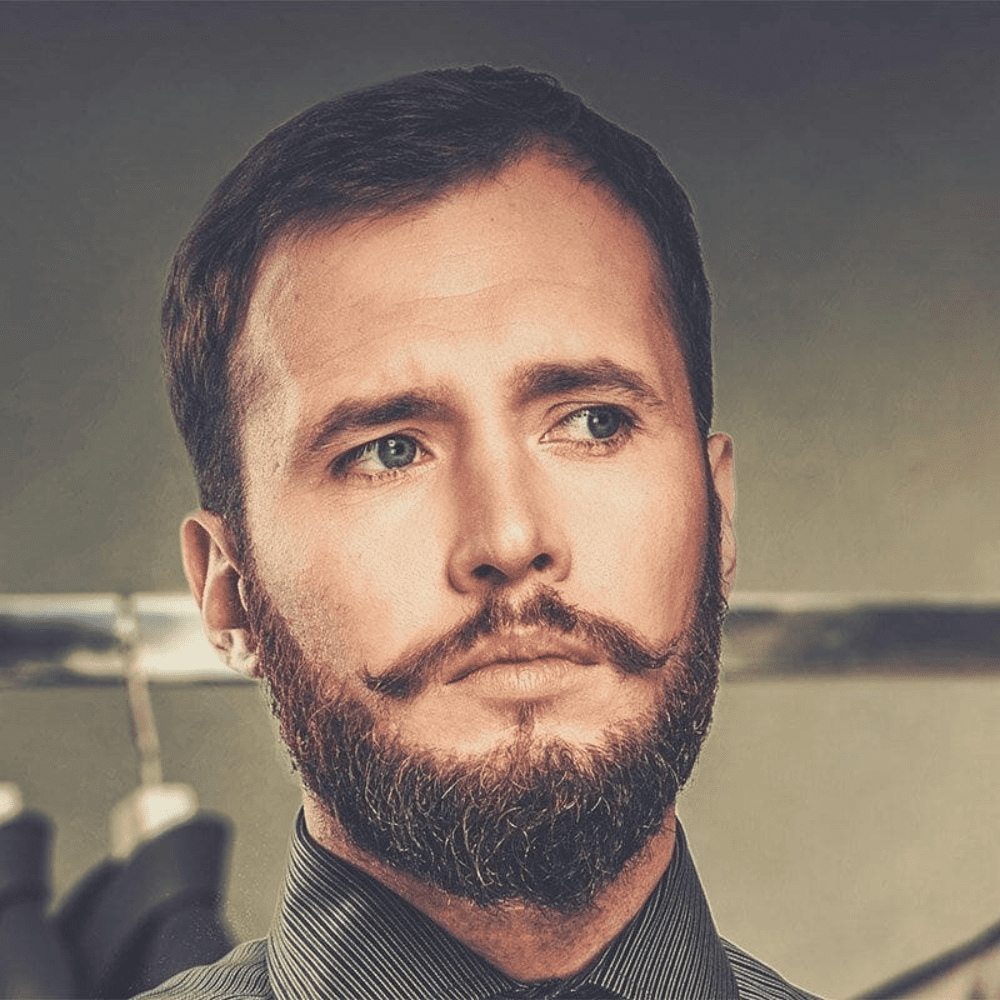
(604, 421)
(395, 452)
(601, 427)
(377, 458)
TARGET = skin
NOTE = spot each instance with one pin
(461, 303)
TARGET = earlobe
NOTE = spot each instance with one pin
(720, 463)
(215, 580)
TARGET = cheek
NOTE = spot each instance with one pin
(364, 577)
(638, 550)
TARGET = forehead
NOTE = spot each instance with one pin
(535, 261)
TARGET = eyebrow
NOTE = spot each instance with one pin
(367, 414)
(542, 381)
(536, 382)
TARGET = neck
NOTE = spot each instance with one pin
(526, 942)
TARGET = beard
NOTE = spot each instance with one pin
(547, 823)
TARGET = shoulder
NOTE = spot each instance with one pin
(240, 975)
(758, 982)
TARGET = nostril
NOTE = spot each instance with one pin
(493, 575)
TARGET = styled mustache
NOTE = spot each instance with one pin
(614, 641)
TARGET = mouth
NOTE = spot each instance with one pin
(523, 653)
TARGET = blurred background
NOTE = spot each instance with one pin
(842, 161)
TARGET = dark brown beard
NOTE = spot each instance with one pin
(547, 823)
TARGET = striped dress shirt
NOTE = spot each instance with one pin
(341, 935)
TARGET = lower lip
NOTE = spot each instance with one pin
(527, 679)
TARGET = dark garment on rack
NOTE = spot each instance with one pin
(130, 925)
(33, 962)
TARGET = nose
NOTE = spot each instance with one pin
(508, 527)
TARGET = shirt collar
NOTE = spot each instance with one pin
(340, 933)
(671, 948)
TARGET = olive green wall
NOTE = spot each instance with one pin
(842, 160)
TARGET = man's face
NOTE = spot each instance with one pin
(482, 398)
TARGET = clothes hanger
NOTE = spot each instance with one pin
(155, 806)
(152, 909)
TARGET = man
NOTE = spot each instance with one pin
(440, 353)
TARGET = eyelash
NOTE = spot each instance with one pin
(621, 436)
(341, 466)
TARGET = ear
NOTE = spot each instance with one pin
(216, 582)
(720, 463)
